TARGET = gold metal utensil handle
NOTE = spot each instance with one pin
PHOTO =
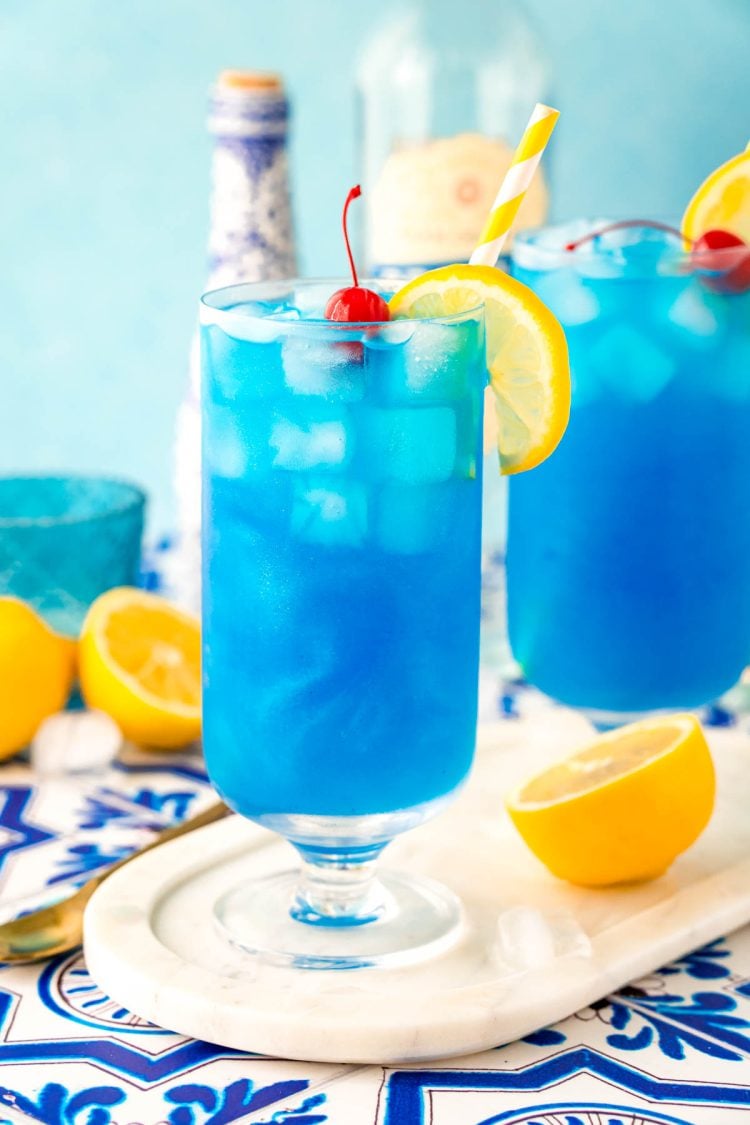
(59, 928)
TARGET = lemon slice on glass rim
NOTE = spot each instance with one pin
(722, 202)
(527, 355)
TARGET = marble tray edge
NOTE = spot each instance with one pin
(200, 999)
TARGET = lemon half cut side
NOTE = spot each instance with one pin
(140, 663)
(622, 808)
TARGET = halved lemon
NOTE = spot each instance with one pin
(139, 661)
(623, 808)
(722, 202)
(527, 356)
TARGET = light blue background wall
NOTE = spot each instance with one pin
(104, 161)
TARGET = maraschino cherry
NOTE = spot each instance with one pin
(711, 255)
(728, 272)
(355, 304)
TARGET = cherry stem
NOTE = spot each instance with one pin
(624, 224)
(355, 193)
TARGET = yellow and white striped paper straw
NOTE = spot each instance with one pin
(515, 184)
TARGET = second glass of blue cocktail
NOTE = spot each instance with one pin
(628, 583)
(342, 526)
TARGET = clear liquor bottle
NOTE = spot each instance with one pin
(442, 102)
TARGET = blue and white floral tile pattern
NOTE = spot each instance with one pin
(213, 1097)
(62, 831)
(71, 1056)
(670, 1049)
(61, 1038)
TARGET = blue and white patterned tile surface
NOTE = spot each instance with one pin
(671, 1049)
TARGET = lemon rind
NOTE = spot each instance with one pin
(685, 726)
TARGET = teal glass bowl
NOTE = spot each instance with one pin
(65, 540)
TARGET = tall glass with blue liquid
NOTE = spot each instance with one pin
(629, 552)
(342, 529)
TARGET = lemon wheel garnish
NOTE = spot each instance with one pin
(623, 808)
(139, 661)
(722, 202)
(527, 355)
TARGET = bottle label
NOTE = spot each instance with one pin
(431, 201)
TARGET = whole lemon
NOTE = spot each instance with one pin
(37, 667)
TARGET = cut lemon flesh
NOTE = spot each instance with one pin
(623, 808)
(722, 202)
(527, 355)
(140, 663)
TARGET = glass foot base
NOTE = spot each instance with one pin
(411, 919)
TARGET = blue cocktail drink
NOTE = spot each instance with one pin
(628, 580)
(342, 524)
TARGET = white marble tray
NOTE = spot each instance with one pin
(535, 950)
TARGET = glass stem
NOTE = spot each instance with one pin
(338, 889)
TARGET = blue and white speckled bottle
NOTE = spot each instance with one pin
(251, 238)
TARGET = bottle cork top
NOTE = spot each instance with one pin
(250, 80)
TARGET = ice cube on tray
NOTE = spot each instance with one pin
(71, 742)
